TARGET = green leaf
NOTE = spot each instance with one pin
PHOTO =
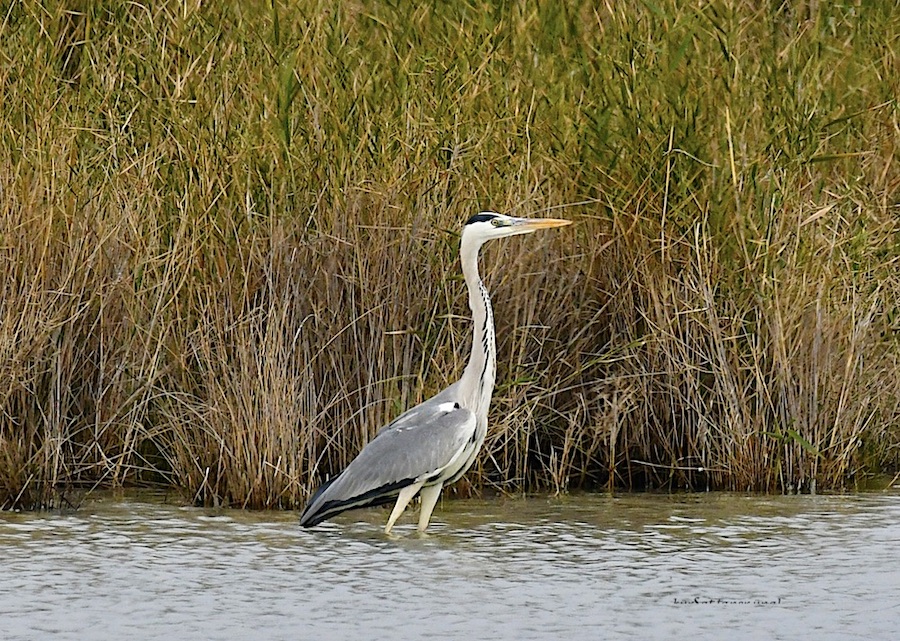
(806, 445)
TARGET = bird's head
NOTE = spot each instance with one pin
(487, 225)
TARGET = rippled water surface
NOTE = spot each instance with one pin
(693, 567)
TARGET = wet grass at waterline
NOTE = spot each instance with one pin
(228, 240)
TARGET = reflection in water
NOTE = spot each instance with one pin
(582, 567)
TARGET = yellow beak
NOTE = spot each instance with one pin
(541, 223)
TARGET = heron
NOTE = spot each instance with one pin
(431, 445)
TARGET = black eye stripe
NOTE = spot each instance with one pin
(481, 218)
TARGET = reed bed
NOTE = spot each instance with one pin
(228, 237)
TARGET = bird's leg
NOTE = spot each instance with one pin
(429, 498)
(406, 495)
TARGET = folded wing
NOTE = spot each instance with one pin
(426, 444)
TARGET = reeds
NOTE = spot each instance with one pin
(228, 241)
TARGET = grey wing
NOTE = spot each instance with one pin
(426, 409)
(417, 446)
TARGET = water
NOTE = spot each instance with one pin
(586, 567)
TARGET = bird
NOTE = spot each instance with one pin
(431, 445)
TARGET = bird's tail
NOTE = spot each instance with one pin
(329, 501)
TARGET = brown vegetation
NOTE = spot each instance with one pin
(228, 241)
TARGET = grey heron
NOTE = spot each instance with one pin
(432, 444)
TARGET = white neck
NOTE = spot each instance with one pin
(477, 381)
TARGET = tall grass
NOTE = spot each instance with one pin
(228, 240)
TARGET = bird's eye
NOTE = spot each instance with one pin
(499, 222)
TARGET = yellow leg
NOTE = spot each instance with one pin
(429, 496)
(406, 495)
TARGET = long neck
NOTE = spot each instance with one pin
(477, 381)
